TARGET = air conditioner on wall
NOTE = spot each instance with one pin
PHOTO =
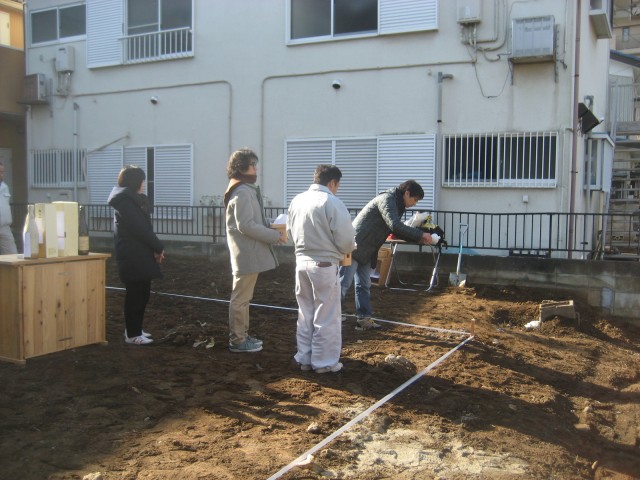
(35, 89)
(533, 40)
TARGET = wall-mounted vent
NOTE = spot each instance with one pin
(533, 40)
(35, 89)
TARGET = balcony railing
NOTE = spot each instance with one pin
(557, 235)
(163, 45)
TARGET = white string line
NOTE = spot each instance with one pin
(367, 412)
(276, 307)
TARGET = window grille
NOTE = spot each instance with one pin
(55, 168)
(500, 159)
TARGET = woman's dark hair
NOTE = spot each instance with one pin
(239, 162)
(325, 173)
(413, 187)
(131, 177)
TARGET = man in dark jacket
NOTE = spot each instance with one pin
(138, 250)
(380, 217)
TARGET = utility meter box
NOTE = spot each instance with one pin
(65, 59)
(533, 40)
(469, 11)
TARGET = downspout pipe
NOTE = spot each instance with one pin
(75, 151)
(441, 77)
(576, 126)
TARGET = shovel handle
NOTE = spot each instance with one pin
(463, 230)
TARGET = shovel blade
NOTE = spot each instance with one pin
(457, 280)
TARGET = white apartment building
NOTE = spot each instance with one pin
(478, 100)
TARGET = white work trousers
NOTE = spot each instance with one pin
(7, 243)
(319, 328)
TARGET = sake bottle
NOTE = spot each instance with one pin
(30, 236)
(83, 233)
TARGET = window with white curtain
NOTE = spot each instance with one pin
(368, 165)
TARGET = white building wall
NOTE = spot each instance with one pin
(245, 86)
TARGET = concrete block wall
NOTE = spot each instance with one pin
(613, 286)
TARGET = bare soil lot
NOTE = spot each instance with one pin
(559, 402)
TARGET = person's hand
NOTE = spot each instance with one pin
(159, 256)
(426, 239)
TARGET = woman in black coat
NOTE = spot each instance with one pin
(139, 252)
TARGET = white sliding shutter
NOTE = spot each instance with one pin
(408, 157)
(103, 167)
(301, 159)
(136, 156)
(357, 161)
(104, 33)
(397, 16)
(174, 175)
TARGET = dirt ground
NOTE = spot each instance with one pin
(558, 402)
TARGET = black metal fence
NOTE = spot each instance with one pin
(518, 234)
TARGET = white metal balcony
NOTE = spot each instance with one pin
(155, 46)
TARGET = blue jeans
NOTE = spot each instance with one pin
(361, 273)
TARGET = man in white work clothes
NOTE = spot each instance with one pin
(7, 242)
(320, 226)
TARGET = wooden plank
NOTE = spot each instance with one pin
(10, 314)
(43, 300)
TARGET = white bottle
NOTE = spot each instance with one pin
(30, 235)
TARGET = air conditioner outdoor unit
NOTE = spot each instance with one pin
(533, 40)
(35, 89)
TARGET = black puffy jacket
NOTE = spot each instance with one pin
(380, 217)
(135, 242)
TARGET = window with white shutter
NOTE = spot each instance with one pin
(356, 159)
(173, 175)
(301, 159)
(320, 20)
(168, 168)
(407, 16)
(408, 157)
(368, 165)
(103, 167)
(104, 33)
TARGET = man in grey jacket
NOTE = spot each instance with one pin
(380, 217)
(320, 226)
(7, 242)
(250, 241)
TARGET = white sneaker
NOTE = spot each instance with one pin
(332, 369)
(144, 334)
(139, 340)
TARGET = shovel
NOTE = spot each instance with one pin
(459, 279)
